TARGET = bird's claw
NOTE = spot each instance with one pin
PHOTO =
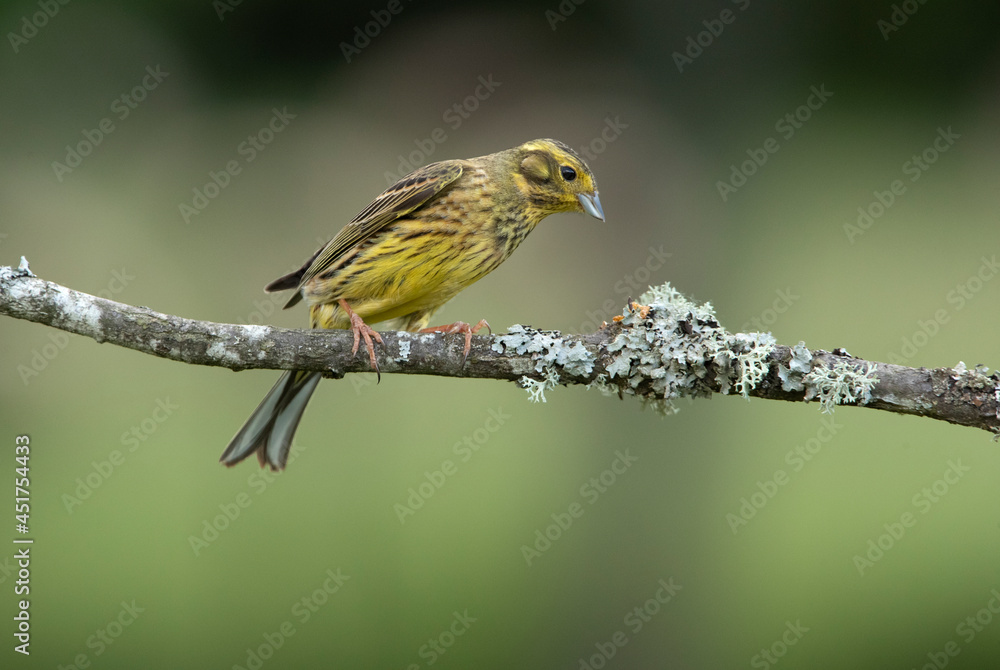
(460, 327)
(362, 330)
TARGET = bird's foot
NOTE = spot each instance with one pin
(361, 331)
(460, 327)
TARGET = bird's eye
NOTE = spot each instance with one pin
(568, 173)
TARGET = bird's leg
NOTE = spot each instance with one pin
(460, 327)
(362, 330)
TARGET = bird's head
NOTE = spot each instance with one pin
(553, 178)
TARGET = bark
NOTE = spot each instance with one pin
(959, 396)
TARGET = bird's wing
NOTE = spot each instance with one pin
(398, 200)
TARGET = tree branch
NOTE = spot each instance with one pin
(658, 351)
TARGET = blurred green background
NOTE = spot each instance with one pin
(230, 568)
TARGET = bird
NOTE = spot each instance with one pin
(420, 242)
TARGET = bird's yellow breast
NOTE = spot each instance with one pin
(419, 262)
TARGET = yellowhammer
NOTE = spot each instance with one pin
(418, 244)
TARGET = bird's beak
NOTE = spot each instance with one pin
(591, 205)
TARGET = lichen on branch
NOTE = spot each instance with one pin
(662, 347)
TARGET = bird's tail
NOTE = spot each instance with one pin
(270, 428)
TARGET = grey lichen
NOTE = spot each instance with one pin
(536, 388)
(661, 406)
(843, 383)
(551, 353)
(223, 353)
(670, 347)
(601, 384)
(547, 348)
(799, 366)
(996, 394)
(979, 378)
(77, 311)
(752, 350)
